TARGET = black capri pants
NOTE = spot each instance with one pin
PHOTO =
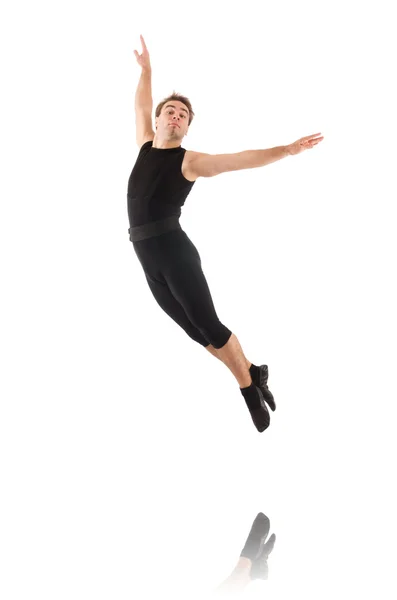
(172, 267)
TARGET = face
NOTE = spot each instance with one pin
(173, 120)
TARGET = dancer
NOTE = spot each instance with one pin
(161, 179)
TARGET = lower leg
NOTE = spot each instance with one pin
(231, 354)
(214, 352)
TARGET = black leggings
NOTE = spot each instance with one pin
(172, 267)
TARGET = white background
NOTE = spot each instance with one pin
(129, 463)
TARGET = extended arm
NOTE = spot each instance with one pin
(143, 94)
(143, 97)
(209, 165)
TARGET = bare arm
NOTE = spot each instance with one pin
(209, 165)
(143, 97)
(143, 94)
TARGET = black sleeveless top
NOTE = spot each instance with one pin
(156, 187)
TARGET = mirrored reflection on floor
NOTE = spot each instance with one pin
(252, 563)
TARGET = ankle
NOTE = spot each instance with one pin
(245, 383)
(254, 372)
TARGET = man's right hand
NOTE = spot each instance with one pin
(143, 59)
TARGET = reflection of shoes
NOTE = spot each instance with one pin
(253, 547)
(261, 382)
(259, 568)
(258, 410)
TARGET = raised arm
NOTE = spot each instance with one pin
(209, 165)
(143, 98)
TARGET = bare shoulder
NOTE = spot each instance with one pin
(191, 154)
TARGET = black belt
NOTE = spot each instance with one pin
(142, 232)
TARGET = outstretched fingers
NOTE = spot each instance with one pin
(311, 140)
(143, 43)
(313, 135)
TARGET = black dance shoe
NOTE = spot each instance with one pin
(258, 411)
(261, 383)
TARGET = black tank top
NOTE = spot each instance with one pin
(156, 187)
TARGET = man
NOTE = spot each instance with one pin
(160, 181)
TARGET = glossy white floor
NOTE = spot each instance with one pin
(130, 467)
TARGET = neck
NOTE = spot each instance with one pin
(163, 144)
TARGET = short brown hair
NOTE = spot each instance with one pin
(176, 96)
